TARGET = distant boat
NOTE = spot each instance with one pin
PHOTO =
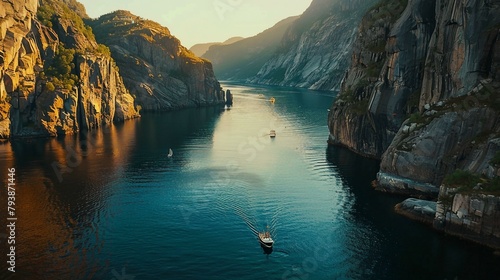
(265, 239)
(272, 100)
(272, 134)
(170, 153)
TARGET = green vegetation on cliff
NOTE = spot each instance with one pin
(60, 70)
(468, 182)
(50, 10)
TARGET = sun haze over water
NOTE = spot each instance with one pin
(200, 21)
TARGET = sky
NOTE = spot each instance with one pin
(202, 21)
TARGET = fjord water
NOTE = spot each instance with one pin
(110, 204)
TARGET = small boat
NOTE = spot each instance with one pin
(272, 134)
(170, 153)
(265, 239)
(272, 100)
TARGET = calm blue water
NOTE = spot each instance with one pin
(112, 205)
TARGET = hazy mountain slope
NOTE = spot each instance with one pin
(243, 59)
(201, 49)
(315, 50)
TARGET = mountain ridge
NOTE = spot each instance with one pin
(202, 48)
(244, 58)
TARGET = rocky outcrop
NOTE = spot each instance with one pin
(30, 103)
(315, 49)
(449, 141)
(473, 215)
(421, 92)
(229, 98)
(417, 209)
(156, 68)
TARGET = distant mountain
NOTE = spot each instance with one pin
(201, 49)
(243, 59)
(315, 50)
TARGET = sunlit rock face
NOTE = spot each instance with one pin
(28, 105)
(39, 96)
(17, 54)
(158, 70)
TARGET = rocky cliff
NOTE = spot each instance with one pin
(421, 94)
(421, 91)
(160, 72)
(53, 79)
(56, 79)
(314, 51)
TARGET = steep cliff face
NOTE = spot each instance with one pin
(315, 49)
(158, 70)
(463, 49)
(422, 95)
(459, 103)
(385, 64)
(430, 104)
(18, 55)
(47, 85)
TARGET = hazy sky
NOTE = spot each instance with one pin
(201, 21)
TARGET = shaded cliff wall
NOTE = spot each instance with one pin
(314, 51)
(458, 121)
(424, 97)
(387, 60)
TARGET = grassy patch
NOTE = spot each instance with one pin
(49, 12)
(417, 118)
(461, 179)
(466, 181)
